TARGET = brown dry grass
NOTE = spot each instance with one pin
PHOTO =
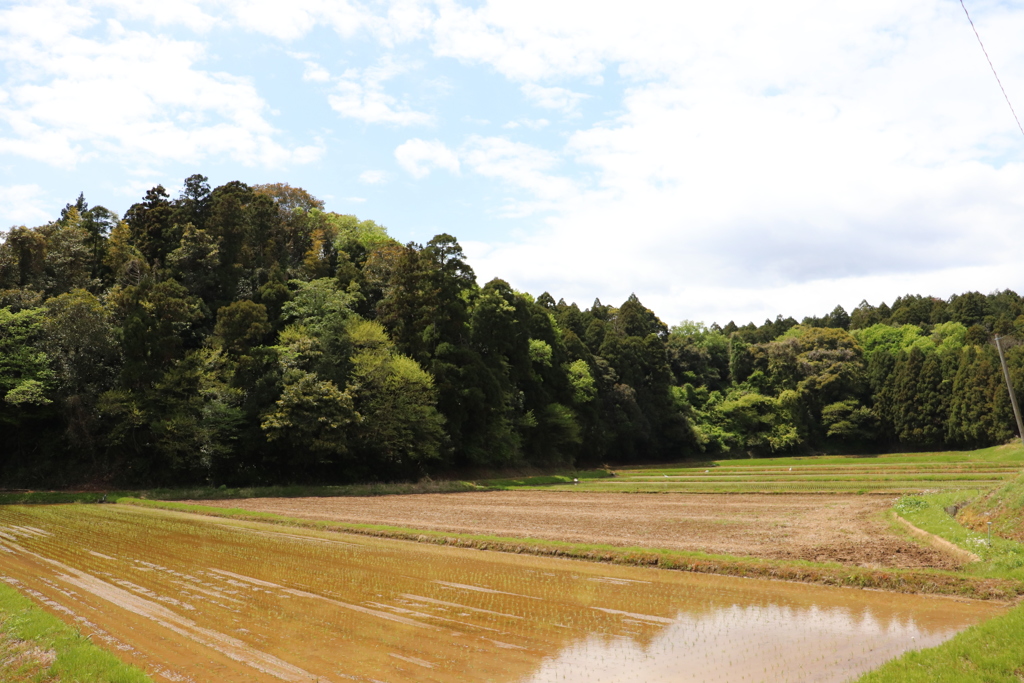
(22, 660)
(845, 529)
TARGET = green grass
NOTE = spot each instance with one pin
(991, 652)
(224, 493)
(887, 473)
(37, 647)
(1003, 507)
(1000, 557)
(1009, 453)
(544, 480)
(294, 491)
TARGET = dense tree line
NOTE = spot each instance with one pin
(242, 334)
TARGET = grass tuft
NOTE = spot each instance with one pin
(37, 647)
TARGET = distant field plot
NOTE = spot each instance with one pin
(890, 474)
(840, 528)
(201, 599)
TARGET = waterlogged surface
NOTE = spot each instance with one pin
(198, 599)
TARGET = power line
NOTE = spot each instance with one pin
(992, 67)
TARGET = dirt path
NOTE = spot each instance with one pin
(814, 527)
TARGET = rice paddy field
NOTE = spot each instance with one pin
(318, 589)
(841, 528)
(895, 473)
(190, 598)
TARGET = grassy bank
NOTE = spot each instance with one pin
(999, 557)
(296, 491)
(991, 652)
(830, 574)
(39, 648)
(891, 473)
(895, 473)
(1003, 507)
(224, 493)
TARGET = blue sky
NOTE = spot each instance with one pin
(722, 162)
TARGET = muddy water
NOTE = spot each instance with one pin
(198, 599)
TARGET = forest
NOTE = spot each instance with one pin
(243, 335)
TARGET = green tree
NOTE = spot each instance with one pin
(848, 421)
(151, 225)
(400, 426)
(25, 374)
(23, 259)
(240, 326)
(80, 341)
(182, 427)
(195, 262)
(156, 324)
(757, 423)
(920, 404)
(289, 198)
(312, 417)
(978, 415)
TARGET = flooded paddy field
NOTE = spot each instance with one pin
(834, 528)
(198, 599)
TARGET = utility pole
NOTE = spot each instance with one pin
(1009, 387)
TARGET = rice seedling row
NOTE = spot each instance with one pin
(203, 599)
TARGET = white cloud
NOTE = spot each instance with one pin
(509, 36)
(763, 160)
(406, 20)
(135, 95)
(188, 13)
(372, 177)
(522, 167)
(306, 154)
(22, 205)
(420, 157)
(316, 73)
(295, 19)
(562, 99)
(532, 124)
(748, 155)
(360, 95)
(403, 20)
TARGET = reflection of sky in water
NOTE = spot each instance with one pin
(211, 600)
(756, 643)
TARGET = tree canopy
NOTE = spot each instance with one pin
(243, 334)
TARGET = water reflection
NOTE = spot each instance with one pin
(192, 598)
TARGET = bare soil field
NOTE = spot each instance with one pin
(834, 528)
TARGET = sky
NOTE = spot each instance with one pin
(722, 161)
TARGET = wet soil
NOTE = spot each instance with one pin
(193, 599)
(834, 528)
